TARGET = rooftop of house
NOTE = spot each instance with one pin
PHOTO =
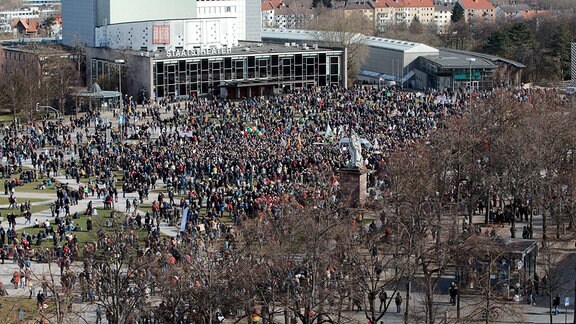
(359, 5)
(418, 3)
(293, 11)
(529, 14)
(271, 4)
(476, 4)
(444, 7)
(30, 24)
(514, 8)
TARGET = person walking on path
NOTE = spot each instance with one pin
(556, 304)
(3, 291)
(98, 315)
(398, 302)
(16, 279)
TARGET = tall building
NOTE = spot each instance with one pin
(79, 17)
(82, 17)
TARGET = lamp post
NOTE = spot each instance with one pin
(470, 60)
(119, 64)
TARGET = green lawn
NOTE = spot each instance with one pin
(6, 118)
(85, 236)
(28, 187)
(4, 200)
(145, 208)
(11, 305)
(34, 209)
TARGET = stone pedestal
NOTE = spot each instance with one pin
(353, 188)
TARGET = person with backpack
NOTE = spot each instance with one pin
(398, 302)
(383, 296)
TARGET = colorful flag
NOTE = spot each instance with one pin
(299, 144)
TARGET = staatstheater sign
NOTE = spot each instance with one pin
(199, 52)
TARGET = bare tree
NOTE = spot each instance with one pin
(486, 263)
(335, 28)
(552, 263)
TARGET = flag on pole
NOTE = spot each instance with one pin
(328, 132)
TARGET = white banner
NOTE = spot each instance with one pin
(186, 134)
(184, 220)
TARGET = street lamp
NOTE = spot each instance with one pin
(119, 64)
(470, 60)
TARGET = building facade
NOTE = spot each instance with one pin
(477, 10)
(255, 69)
(419, 66)
(443, 16)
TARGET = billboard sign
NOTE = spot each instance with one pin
(465, 76)
(161, 34)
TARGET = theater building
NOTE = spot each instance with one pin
(234, 72)
(179, 48)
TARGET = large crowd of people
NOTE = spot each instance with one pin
(210, 157)
(242, 157)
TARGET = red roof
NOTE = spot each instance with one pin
(271, 4)
(30, 25)
(476, 5)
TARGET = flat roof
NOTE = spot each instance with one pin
(454, 61)
(38, 49)
(491, 58)
(315, 36)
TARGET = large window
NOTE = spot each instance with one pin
(188, 76)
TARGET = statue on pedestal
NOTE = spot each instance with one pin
(355, 150)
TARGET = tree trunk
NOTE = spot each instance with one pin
(544, 227)
(550, 316)
(407, 307)
(430, 301)
(487, 215)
